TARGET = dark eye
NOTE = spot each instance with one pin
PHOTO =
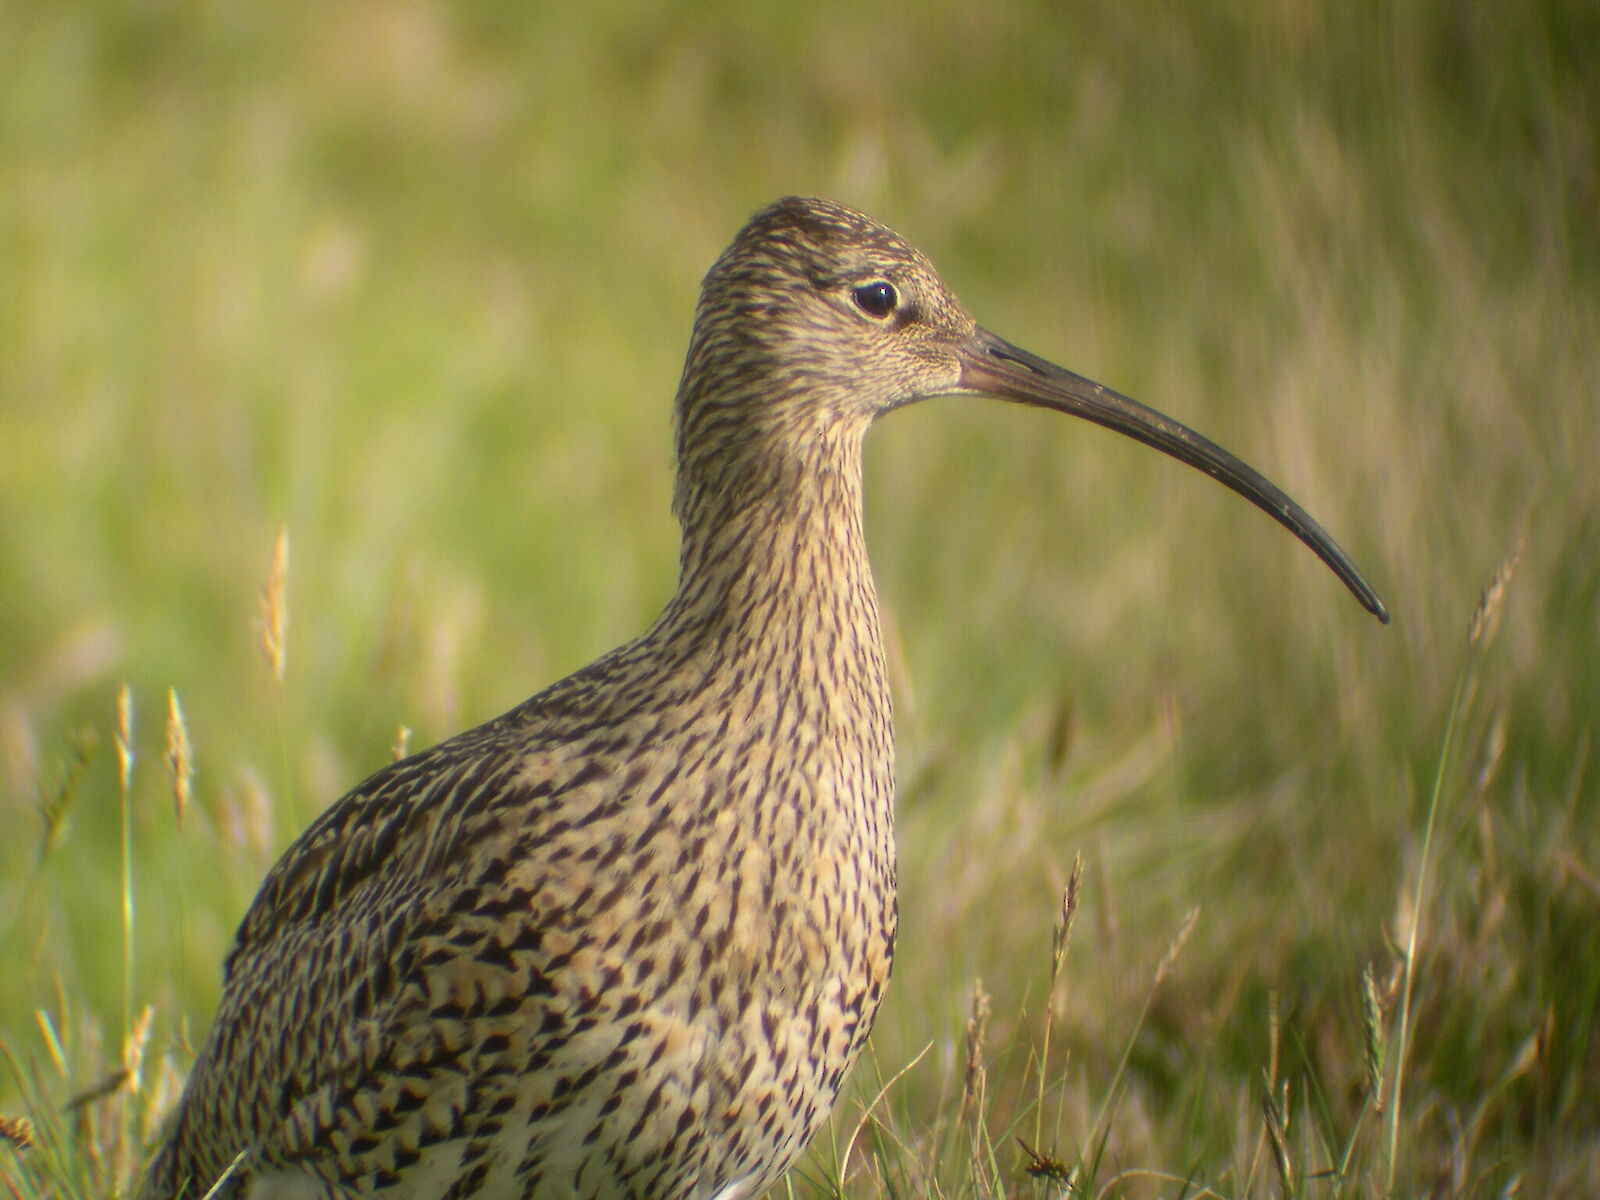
(877, 299)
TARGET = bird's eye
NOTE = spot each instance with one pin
(877, 299)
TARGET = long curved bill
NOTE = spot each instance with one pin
(991, 366)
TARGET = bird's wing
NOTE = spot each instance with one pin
(417, 943)
(320, 987)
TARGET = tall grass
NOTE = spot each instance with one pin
(412, 282)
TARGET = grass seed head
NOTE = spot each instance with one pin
(1190, 920)
(274, 624)
(975, 1081)
(1069, 913)
(133, 1048)
(1372, 1036)
(56, 802)
(1491, 603)
(179, 756)
(16, 1130)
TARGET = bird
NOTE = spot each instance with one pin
(628, 938)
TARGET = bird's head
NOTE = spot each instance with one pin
(817, 315)
(817, 319)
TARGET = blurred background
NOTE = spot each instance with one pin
(413, 281)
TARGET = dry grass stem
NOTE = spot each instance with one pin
(107, 1086)
(1274, 1027)
(972, 1114)
(218, 1188)
(1275, 1111)
(867, 1112)
(1494, 749)
(124, 739)
(1485, 621)
(1061, 938)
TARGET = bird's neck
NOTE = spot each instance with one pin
(774, 567)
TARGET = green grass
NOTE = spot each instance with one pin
(414, 280)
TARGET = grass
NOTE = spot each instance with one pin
(412, 282)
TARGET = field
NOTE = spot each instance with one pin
(411, 281)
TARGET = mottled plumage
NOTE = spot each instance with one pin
(628, 939)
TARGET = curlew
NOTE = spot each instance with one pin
(627, 939)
